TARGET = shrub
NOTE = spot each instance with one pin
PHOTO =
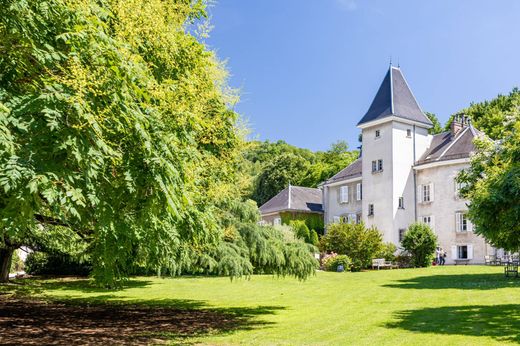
(404, 260)
(314, 240)
(330, 262)
(40, 263)
(302, 232)
(359, 243)
(420, 241)
(388, 252)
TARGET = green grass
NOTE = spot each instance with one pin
(452, 305)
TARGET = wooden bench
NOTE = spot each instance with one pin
(511, 269)
(381, 263)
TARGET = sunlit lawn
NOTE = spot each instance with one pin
(452, 305)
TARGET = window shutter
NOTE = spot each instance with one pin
(335, 219)
(458, 223)
(358, 192)
(419, 193)
(431, 192)
(470, 251)
(432, 222)
(343, 194)
(454, 252)
(374, 166)
(470, 225)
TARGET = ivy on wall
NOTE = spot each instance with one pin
(313, 221)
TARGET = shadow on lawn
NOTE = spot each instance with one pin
(501, 322)
(109, 319)
(461, 281)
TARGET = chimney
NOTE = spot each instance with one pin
(460, 121)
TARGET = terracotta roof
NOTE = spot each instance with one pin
(351, 171)
(394, 98)
(296, 198)
(446, 146)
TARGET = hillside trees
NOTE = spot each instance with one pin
(116, 137)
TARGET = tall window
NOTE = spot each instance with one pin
(379, 165)
(401, 202)
(426, 193)
(462, 252)
(402, 231)
(462, 223)
(370, 209)
(343, 194)
(408, 133)
(277, 221)
(358, 192)
(378, 133)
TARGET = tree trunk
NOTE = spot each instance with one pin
(6, 254)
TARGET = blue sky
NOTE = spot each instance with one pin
(308, 69)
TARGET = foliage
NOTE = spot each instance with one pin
(492, 186)
(491, 116)
(117, 141)
(40, 263)
(274, 165)
(17, 265)
(388, 251)
(437, 128)
(420, 241)
(313, 221)
(330, 262)
(314, 239)
(359, 243)
(403, 259)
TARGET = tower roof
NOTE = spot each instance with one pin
(394, 98)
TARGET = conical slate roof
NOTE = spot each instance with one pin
(394, 98)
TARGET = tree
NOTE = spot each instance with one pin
(492, 185)
(420, 241)
(277, 174)
(117, 140)
(490, 116)
(359, 243)
(437, 128)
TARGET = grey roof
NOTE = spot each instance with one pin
(446, 146)
(351, 171)
(394, 97)
(302, 199)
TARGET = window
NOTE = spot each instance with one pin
(370, 210)
(462, 252)
(402, 231)
(351, 218)
(344, 219)
(377, 166)
(358, 192)
(277, 221)
(427, 220)
(358, 218)
(378, 133)
(425, 193)
(343, 194)
(401, 202)
(458, 187)
(462, 224)
(408, 133)
(336, 219)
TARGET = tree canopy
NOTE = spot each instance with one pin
(116, 136)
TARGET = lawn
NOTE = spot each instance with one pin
(452, 305)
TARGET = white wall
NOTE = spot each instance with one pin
(331, 198)
(443, 208)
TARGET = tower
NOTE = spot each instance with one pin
(394, 135)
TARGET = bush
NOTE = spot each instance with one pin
(40, 263)
(420, 241)
(359, 243)
(330, 262)
(388, 252)
(302, 232)
(404, 260)
(314, 240)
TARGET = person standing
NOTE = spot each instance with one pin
(442, 257)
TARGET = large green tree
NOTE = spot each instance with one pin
(492, 184)
(437, 128)
(116, 136)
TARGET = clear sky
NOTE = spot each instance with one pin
(308, 69)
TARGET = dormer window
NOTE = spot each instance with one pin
(408, 133)
(378, 134)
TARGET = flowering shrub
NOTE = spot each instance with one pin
(330, 262)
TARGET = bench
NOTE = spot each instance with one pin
(511, 269)
(461, 261)
(381, 263)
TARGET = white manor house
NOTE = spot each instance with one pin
(406, 175)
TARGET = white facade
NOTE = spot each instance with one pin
(408, 175)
